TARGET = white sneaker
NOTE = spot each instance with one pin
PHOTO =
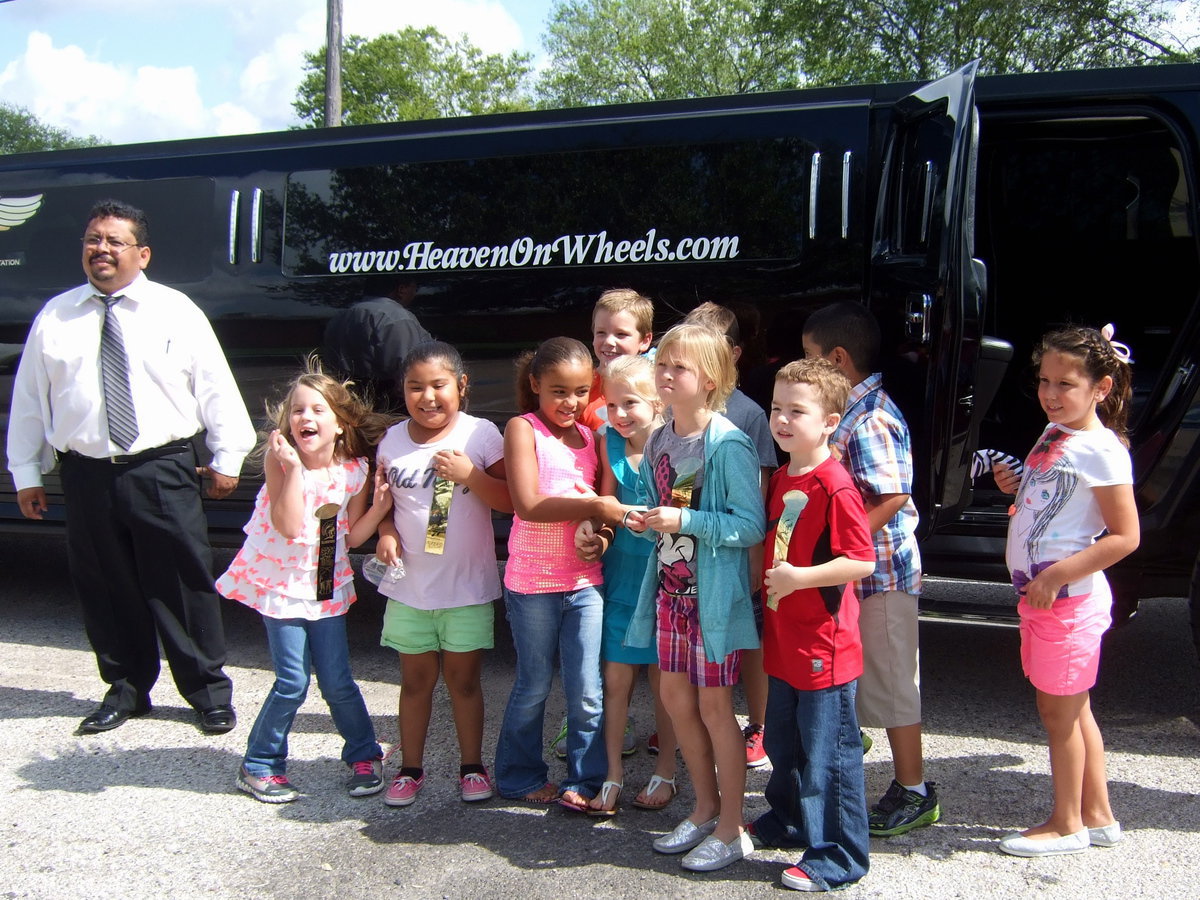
(1017, 844)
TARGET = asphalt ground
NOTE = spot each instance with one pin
(149, 810)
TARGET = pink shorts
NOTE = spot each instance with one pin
(1060, 646)
(681, 645)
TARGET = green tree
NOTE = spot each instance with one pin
(892, 40)
(620, 50)
(22, 132)
(415, 73)
(604, 51)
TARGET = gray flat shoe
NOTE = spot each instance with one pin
(1017, 844)
(685, 836)
(713, 853)
(1106, 835)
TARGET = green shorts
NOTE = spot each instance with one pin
(460, 629)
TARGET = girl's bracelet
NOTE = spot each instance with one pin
(625, 518)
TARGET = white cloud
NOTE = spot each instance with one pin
(229, 66)
(64, 87)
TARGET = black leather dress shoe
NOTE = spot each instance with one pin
(105, 718)
(217, 719)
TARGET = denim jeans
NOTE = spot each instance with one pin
(300, 647)
(571, 623)
(816, 790)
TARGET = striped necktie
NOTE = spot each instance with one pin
(114, 370)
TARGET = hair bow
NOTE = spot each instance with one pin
(1121, 350)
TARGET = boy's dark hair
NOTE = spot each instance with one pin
(850, 326)
(555, 351)
(119, 209)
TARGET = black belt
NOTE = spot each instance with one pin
(153, 453)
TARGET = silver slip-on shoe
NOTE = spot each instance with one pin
(713, 853)
(685, 836)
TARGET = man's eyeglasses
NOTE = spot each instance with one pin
(92, 242)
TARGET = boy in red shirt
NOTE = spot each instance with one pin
(818, 546)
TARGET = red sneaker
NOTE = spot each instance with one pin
(798, 880)
(652, 744)
(755, 754)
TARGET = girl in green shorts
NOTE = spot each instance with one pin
(446, 472)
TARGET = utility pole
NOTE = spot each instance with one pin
(333, 63)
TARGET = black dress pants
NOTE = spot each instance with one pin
(141, 564)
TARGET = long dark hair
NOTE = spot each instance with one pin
(1097, 357)
(556, 351)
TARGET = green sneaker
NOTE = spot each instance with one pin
(629, 741)
(901, 810)
(559, 744)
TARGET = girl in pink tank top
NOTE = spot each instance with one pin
(553, 601)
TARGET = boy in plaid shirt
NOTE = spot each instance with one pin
(873, 442)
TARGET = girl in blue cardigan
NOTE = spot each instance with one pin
(700, 485)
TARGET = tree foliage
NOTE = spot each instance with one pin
(624, 50)
(415, 73)
(618, 50)
(893, 40)
(22, 132)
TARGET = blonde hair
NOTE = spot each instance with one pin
(637, 373)
(362, 427)
(708, 352)
(828, 382)
(627, 300)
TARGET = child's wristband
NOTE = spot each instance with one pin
(625, 518)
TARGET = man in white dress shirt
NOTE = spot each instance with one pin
(137, 538)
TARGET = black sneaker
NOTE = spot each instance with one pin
(268, 788)
(901, 810)
(366, 778)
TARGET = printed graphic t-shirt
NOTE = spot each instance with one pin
(677, 464)
(811, 640)
(1055, 513)
(465, 573)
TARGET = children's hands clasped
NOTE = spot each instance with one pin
(663, 519)
(589, 545)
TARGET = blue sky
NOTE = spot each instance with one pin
(163, 69)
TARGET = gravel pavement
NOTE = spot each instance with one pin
(149, 810)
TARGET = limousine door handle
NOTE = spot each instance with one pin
(916, 317)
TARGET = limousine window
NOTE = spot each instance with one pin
(715, 202)
(44, 250)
